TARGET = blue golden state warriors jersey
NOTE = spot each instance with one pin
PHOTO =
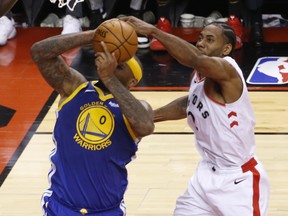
(93, 144)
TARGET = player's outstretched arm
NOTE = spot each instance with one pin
(47, 56)
(172, 111)
(181, 50)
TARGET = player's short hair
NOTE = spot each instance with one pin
(228, 32)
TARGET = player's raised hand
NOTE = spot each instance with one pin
(106, 63)
(139, 25)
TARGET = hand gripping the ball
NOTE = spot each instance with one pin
(106, 63)
(140, 26)
(120, 38)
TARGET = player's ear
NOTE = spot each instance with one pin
(227, 49)
(132, 82)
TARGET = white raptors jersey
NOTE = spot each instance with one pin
(224, 132)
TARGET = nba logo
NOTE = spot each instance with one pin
(269, 70)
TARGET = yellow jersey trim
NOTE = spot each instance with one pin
(102, 96)
(79, 88)
(130, 128)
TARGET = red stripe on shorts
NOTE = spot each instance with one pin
(250, 166)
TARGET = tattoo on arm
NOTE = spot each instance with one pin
(47, 55)
(172, 111)
(183, 104)
(56, 73)
(139, 118)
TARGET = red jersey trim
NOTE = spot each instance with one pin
(213, 100)
(198, 80)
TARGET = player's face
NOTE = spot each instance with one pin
(211, 41)
(123, 73)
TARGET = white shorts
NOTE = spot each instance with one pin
(214, 191)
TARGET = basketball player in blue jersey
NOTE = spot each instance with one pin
(229, 179)
(98, 127)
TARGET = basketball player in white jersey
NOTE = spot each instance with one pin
(229, 180)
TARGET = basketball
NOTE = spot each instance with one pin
(119, 37)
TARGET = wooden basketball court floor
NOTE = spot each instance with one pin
(165, 160)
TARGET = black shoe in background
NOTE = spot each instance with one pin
(136, 13)
(96, 18)
(256, 34)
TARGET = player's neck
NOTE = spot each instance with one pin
(101, 85)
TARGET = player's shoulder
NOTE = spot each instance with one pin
(232, 62)
(229, 59)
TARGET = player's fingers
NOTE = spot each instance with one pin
(106, 51)
(99, 54)
(108, 56)
(114, 57)
(130, 20)
(124, 18)
(99, 59)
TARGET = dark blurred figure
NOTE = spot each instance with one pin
(163, 23)
(251, 12)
